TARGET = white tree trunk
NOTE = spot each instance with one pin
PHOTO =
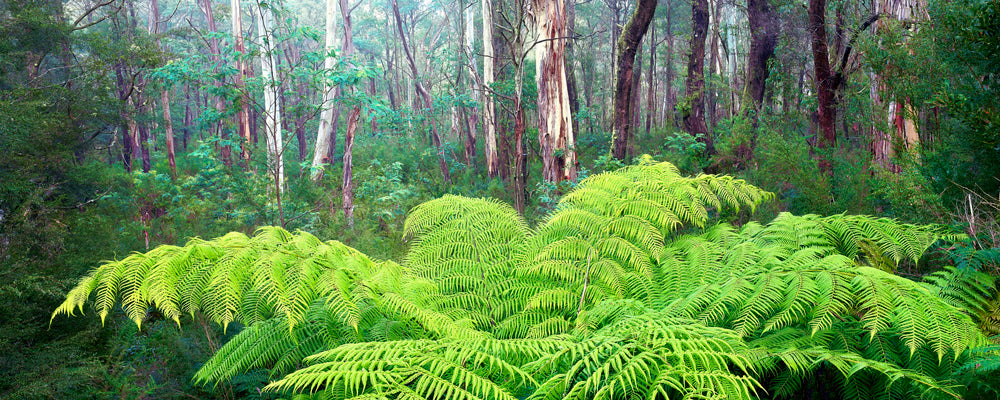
(324, 134)
(489, 113)
(272, 86)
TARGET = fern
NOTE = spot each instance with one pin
(631, 287)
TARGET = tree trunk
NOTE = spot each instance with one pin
(188, 118)
(628, 44)
(326, 129)
(555, 126)
(213, 47)
(574, 103)
(694, 118)
(243, 113)
(273, 137)
(650, 81)
(169, 129)
(489, 111)
(419, 87)
(827, 111)
(712, 93)
(467, 135)
(520, 158)
(636, 95)
(669, 96)
(764, 29)
(168, 126)
(347, 187)
(143, 129)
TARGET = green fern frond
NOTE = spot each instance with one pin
(233, 278)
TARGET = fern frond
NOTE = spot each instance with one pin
(233, 278)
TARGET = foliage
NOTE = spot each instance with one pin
(632, 285)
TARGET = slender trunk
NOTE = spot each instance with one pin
(213, 44)
(669, 96)
(489, 112)
(650, 80)
(419, 87)
(636, 95)
(571, 92)
(243, 114)
(555, 127)
(520, 158)
(628, 45)
(300, 127)
(144, 135)
(694, 118)
(124, 97)
(169, 129)
(168, 126)
(273, 137)
(188, 118)
(326, 130)
(347, 188)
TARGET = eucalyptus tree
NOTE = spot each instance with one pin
(327, 131)
(489, 109)
(243, 113)
(555, 126)
(274, 139)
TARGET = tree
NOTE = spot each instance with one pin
(555, 126)
(168, 125)
(764, 31)
(243, 113)
(626, 95)
(694, 98)
(825, 92)
(489, 109)
(509, 312)
(347, 179)
(213, 48)
(273, 137)
(424, 94)
(327, 130)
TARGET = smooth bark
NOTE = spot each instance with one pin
(326, 129)
(243, 113)
(489, 110)
(273, 137)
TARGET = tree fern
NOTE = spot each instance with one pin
(631, 287)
